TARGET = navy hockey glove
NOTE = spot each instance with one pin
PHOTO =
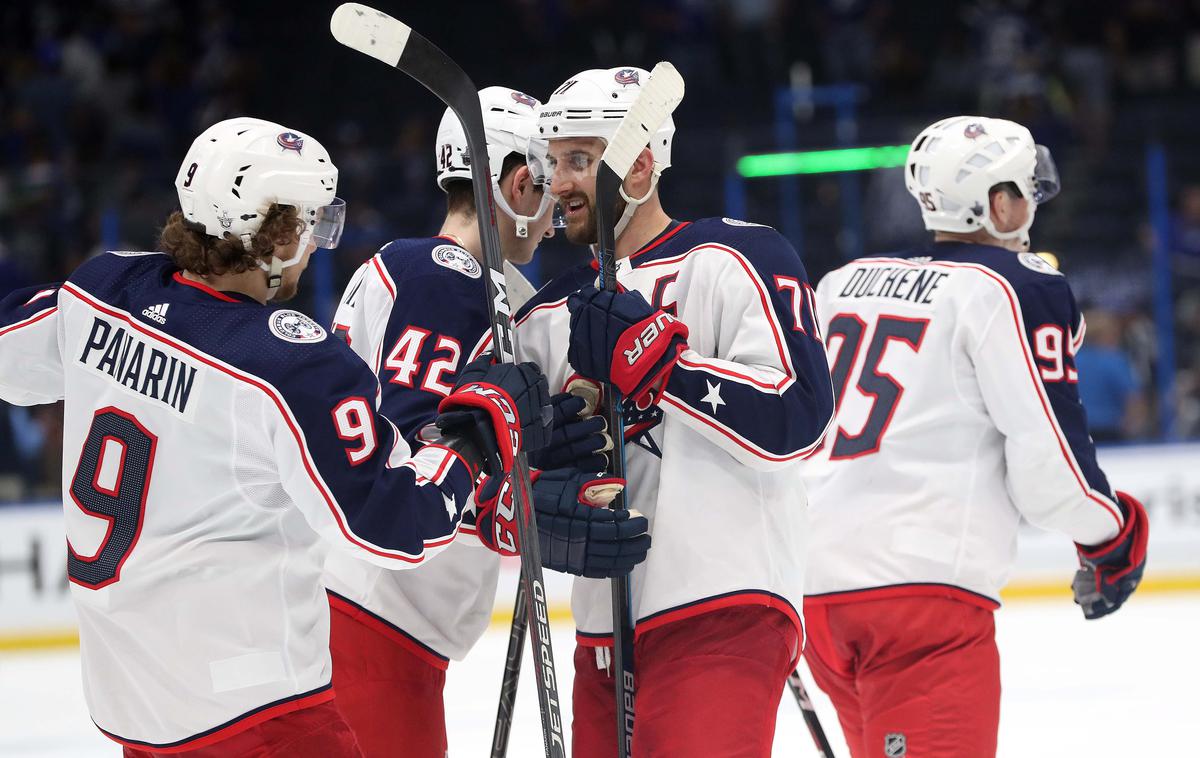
(617, 337)
(577, 534)
(577, 438)
(501, 408)
(1110, 572)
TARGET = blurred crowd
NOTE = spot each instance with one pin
(99, 101)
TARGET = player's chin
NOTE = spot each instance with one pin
(581, 231)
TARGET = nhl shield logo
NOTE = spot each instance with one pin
(974, 130)
(523, 99)
(895, 745)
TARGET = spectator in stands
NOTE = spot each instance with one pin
(1109, 388)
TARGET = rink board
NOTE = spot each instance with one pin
(36, 610)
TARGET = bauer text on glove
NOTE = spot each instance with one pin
(619, 338)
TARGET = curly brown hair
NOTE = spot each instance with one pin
(194, 251)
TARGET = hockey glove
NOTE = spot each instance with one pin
(578, 534)
(502, 408)
(617, 337)
(577, 438)
(496, 514)
(1109, 573)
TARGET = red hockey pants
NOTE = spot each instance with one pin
(909, 676)
(391, 698)
(707, 687)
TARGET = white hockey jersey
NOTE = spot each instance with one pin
(715, 466)
(957, 415)
(416, 312)
(210, 443)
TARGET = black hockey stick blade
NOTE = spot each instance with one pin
(796, 684)
(658, 98)
(393, 42)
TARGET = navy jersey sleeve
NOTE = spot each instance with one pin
(31, 371)
(764, 393)
(351, 471)
(1025, 362)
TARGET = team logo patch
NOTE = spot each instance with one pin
(626, 76)
(739, 222)
(454, 257)
(974, 130)
(523, 99)
(290, 141)
(293, 326)
(224, 217)
(895, 745)
(1037, 263)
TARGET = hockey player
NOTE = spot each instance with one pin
(216, 443)
(415, 312)
(954, 368)
(723, 403)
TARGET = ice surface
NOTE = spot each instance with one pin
(1124, 685)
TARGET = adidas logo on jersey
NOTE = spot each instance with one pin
(157, 312)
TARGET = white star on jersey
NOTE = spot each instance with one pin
(713, 397)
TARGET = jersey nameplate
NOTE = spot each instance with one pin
(1037, 263)
(456, 258)
(140, 367)
(913, 285)
(293, 326)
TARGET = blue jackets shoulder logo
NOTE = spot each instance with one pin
(454, 257)
(293, 326)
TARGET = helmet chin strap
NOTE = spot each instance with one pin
(275, 268)
(631, 204)
(522, 222)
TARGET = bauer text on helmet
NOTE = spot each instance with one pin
(955, 163)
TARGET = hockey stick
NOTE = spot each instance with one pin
(382, 37)
(512, 675)
(796, 684)
(658, 98)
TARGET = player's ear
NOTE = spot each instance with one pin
(639, 174)
(998, 202)
(518, 183)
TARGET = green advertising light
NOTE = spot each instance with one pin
(821, 161)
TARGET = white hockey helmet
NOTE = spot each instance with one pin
(592, 104)
(953, 165)
(237, 168)
(509, 120)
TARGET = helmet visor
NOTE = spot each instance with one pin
(559, 162)
(1046, 183)
(328, 223)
